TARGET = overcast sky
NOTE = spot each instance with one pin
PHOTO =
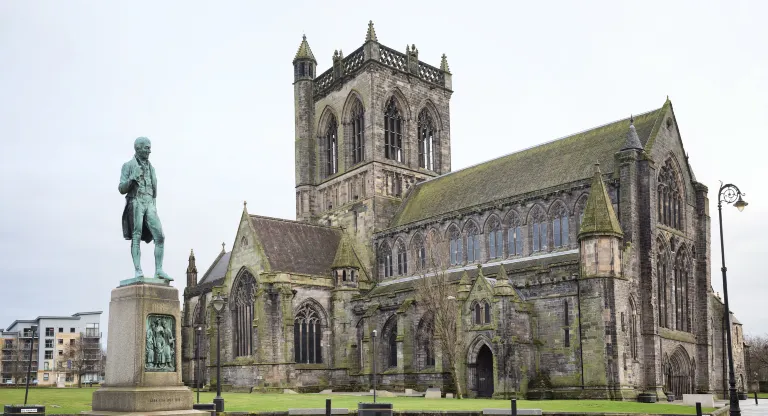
(210, 84)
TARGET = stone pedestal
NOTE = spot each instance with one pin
(143, 374)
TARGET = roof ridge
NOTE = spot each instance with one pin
(295, 222)
(537, 145)
(213, 265)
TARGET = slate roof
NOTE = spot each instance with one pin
(304, 51)
(551, 164)
(218, 269)
(297, 247)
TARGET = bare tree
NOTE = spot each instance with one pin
(758, 355)
(438, 296)
(74, 361)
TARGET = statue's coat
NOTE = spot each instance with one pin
(127, 187)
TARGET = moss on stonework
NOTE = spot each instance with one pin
(599, 216)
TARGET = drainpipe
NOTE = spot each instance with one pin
(581, 346)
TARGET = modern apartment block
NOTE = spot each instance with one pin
(64, 348)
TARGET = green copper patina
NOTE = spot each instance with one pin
(160, 355)
(140, 221)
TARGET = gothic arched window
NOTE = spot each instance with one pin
(421, 252)
(477, 309)
(495, 240)
(486, 312)
(514, 236)
(426, 141)
(560, 227)
(357, 120)
(332, 147)
(682, 280)
(456, 246)
(539, 231)
(389, 339)
(307, 336)
(385, 260)
(632, 329)
(669, 197)
(402, 259)
(425, 342)
(393, 131)
(661, 275)
(473, 244)
(243, 296)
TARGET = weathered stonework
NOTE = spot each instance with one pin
(612, 300)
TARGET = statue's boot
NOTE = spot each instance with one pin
(159, 253)
(136, 255)
(139, 274)
(160, 274)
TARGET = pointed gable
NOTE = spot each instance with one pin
(345, 255)
(599, 216)
(304, 52)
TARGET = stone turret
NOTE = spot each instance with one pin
(600, 234)
(304, 65)
(191, 270)
(346, 266)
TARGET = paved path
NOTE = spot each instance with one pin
(748, 407)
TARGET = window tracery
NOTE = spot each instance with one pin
(243, 297)
(514, 236)
(307, 335)
(495, 239)
(393, 131)
(663, 286)
(560, 230)
(682, 281)
(456, 246)
(473, 243)
(669, 197)
(426, 140)
(425, 341)
(385, 259)
(421, 252)
(357, 120)
(402, 259)
(539, 230)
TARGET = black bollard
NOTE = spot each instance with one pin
(698, 408)
(514, 407)
(327, 407)
(755, 398)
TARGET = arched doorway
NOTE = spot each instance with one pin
(678, 374)
(484, 372)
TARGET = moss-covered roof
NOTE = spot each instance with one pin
(599, 216)
(562, 161)
(304, 51)
(345, 256)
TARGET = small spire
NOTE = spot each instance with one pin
(304, 51)
(633, 140)
(192, 254)
(370, 35)
(444, 64)
(407, 48)
(599, 216)
(223, 247)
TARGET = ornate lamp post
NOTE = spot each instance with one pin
(29, 363)
(373, 337)
(198, 336)
(218, 307)
(730, 194)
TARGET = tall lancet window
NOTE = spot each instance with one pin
(393, 132)
(307, 336)
(426, 141)
(243, 295)
(358, 127)
(332, 146)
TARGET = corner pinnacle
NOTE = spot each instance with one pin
(633, 140)
(444, 64)
(370, 35)
(304, 51)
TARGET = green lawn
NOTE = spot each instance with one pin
(73, 400)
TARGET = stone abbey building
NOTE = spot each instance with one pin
(582, 264)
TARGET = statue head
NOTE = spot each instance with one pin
(143, 148)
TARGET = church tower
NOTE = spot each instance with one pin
(367, 129)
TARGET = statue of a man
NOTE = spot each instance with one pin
(140, 221)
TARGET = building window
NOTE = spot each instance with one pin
(456, 247)
(45, 375)
(71, 342)
(72, 330)
(61, 341)
(48, 332)
(332, 147)
(49, 355)
(392, 343)
(538, 230)
(242, 297)
(402, 259)
(632, 329)
(683, 268)
(47, 365)
(426, 141)
(473, 244)
(92, 330)
(669, 197)
(661, 276)
(514, 237)
(358, 136)
(495, 240)
(421, 252)
(393, 132)
(567, 337)
(61, 353)
(385, 260)
(48, 343)
(307, 336)
(560, 227)
(61, 330)
(477, 310)
(487, 312)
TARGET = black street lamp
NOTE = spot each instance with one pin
(373, 338)
(29, 364)
(198, 334)
(218, 306)
(730, 194)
